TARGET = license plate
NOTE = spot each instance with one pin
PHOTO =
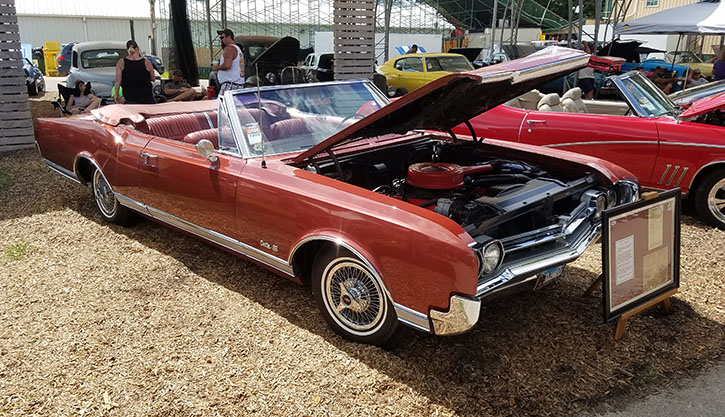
(548, 276)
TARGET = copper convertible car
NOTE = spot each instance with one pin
(389, 220)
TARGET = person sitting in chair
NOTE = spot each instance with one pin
(82, 100)
(177, 89)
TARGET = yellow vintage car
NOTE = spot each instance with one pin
(691, 60)
(405, 73)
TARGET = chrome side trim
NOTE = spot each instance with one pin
(62, 171)
(222, 240)
(406, 315)
(462, 314)
(132, 204)
(662, 178)
(602, 142)
(669, 181)
(412, 318)
(698, 145)
(528, 267)
(684, 171)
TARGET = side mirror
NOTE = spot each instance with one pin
(205, 148)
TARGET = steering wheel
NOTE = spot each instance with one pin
(352, 116)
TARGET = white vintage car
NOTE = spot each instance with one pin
(95, 62)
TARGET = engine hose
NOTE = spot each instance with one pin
(494, 179)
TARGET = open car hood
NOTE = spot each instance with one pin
(283, 51)
(706, 105)
(470, 53)
(455, 98)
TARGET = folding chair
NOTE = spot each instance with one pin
(64, 94)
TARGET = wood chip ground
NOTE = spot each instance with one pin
(100, 320)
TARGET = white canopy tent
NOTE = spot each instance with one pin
(705, 18)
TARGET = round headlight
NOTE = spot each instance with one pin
(601, 204)
(391, 91)
(492, 256)
(271, 77)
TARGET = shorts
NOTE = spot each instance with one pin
(586, 84)
(228, 86)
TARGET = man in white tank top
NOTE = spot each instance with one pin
(230, 70)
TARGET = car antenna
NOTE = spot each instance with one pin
(259, 106)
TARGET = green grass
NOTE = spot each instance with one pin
(17, 251)
(5, 181)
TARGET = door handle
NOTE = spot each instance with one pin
(535, 121)
(148, 158)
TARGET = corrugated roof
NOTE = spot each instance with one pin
(87, 8)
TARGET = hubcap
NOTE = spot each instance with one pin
(716, 200)
(353, 296)
(105, 199)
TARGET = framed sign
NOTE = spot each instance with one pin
(640, 252)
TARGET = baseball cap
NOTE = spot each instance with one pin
(225, 32)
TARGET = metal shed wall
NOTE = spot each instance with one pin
(35, 30)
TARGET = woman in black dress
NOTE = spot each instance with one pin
(135, 75)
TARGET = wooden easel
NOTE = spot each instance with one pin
(622, 321)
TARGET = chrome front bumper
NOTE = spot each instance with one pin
(529, 267)
(462, 314)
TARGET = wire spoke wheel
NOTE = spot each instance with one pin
(353, 297)
(105, 198)
(716, 200)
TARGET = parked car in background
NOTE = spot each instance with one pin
(275, 59)
(157, 63)
(685, 58)
(33, 78)
(319, 67)
(646, 133)
(391, 221)
(685, 98)
(95, 62)
(473, 55)
(405, 73)
(64, 57)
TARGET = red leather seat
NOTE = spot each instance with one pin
(289, 128)
(176, 126)
(208, 134)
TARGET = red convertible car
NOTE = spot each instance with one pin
(646, 133)
(389, 220)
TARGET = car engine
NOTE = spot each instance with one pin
(490, 196)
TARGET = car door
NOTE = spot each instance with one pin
(631, 142)
(408, 73)
(433, 69)
(178, 184)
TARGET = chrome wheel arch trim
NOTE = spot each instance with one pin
(406, 315)
(702, 168)
(92, 162)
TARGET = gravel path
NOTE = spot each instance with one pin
(103, 320)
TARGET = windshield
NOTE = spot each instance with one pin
(647, 96)
(102, 58)
(448, 63)
(292, 119)
(683, 57)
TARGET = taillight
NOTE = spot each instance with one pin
(61, 57)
